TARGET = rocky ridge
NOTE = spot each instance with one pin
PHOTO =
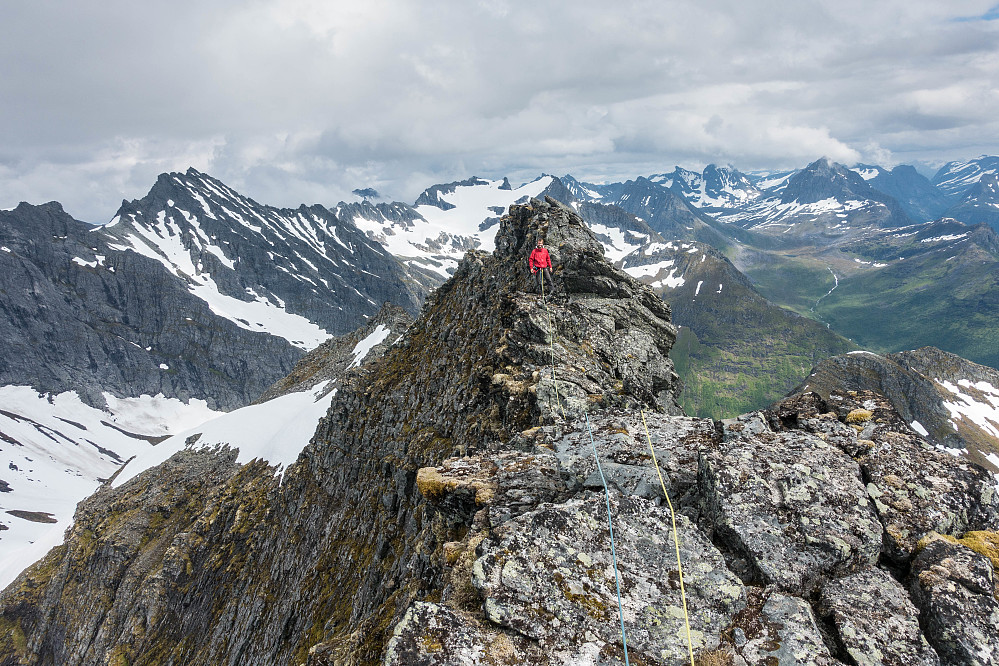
(333, 552)
(948, 399)
(449, 511)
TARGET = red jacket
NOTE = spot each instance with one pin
(540, 259)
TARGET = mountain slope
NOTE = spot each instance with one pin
(955, 178)
(939, 286)
(79, 314)
(55, 451)
(735, 351)
(919, 198)
(980, 203)
(59, 450)
(949, 400)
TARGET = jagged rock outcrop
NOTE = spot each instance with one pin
(876, 621)
(956, 590)
(446, 511)
(914, 488)
(790, 503)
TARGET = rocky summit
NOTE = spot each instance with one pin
(450, 510)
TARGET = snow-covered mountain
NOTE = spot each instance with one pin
(822, 198)
(301, 274)
(714, 188)
(445, 222)
(80, 314)
(193, 291)
(980, 202)
(191, 301)
(955, 178)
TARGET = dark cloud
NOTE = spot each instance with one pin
(305, 100)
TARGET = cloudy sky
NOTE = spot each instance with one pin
(301, 101)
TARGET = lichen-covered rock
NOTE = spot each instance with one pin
(915, 487)
(792, 504)
(507, 484)
(955, 589)
(876, 621)
(549, 576)
(433, 635)
(627, 462)
(779, 630)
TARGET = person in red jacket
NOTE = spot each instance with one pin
(541, 266)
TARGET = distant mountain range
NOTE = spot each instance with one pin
(825, 242)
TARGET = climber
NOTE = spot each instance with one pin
(541, 265)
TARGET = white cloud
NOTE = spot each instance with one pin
(304, 100)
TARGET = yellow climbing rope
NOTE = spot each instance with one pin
(676, 539)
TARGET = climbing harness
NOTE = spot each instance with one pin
(676, 539)
(610, 523)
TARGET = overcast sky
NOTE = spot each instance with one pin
(301, 101)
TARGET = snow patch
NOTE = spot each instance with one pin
(275, 431)
(945, 237)
(983, 414)
(362, 348)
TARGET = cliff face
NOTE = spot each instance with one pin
(449, 511)
(79, 314)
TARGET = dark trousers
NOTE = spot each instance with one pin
(543, 276)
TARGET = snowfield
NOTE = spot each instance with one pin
(58, 450)
(275, 431)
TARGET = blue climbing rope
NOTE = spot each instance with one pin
(610, 524)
